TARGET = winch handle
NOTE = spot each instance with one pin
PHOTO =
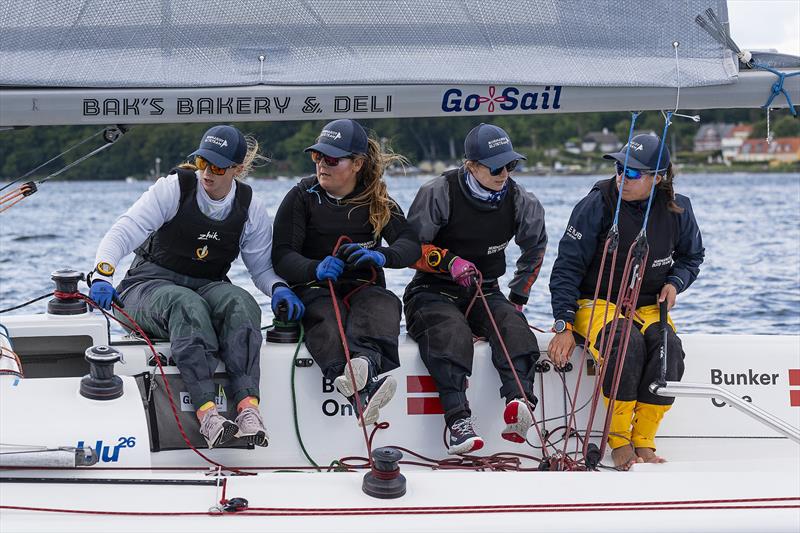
(663, 315)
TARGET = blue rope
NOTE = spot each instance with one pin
(634, 116)
(667, 122)
(777, 87)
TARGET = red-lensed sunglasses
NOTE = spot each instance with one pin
(201, 164)
(319, 157)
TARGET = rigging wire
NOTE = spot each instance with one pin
(110, 134)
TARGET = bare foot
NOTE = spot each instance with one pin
(624, 457)
(648, 455)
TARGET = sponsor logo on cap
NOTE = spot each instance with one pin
(636, 147)
(494, 143)
(333, 135)
(222, 143)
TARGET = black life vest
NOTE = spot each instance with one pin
(193, 244)
(662, 232)
(328, 219)
(478, 231)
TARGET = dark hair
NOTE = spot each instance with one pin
(667, 179)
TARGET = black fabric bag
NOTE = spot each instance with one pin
(164, 432)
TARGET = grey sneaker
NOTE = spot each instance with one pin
(216, 429)
(360, 370)
(251, 427)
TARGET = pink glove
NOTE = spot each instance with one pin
(463, 272)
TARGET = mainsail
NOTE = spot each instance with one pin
(95, 61)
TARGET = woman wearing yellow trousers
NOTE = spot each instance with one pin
(675, 254)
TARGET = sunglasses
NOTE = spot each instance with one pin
(632, 173)
(201, 164)
(509, 167)
(319, 157)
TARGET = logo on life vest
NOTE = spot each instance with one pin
(209, 235)
(201, 253)
(496, 248)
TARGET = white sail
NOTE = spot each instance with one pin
(151, 61)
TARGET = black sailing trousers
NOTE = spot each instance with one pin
(436, 321)
(371, 325)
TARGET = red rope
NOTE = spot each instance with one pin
(626, 302)
(523, 395)
(701, 505)
(343, 337)
(134, 326)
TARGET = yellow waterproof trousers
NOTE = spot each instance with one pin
(632, 422)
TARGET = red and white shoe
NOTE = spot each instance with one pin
(519, 419)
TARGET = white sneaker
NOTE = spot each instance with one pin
(216, 429)
(519, 420)
(360, 370)
(251, 427)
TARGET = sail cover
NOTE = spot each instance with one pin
(231, 43)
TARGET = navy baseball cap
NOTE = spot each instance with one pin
(223, 146)
(341, 138)
(643, 153)
(490, 146)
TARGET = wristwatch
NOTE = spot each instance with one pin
(560, 326)
(106, 269)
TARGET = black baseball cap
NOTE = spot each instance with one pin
(490, 146)
(643, 153)
(341, 138)
(223, 146)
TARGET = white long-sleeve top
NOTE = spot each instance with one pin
(159, 204)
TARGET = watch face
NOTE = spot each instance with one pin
(106, 269)
(559, 326)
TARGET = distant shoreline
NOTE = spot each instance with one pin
(687, 173)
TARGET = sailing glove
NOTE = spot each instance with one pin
(285, 296)
(463, 272)
(102, 292)
(358, 256)
(330, 268)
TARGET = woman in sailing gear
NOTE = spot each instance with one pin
(465, 219)
(347, 197)
(186, 230)
(676, 252)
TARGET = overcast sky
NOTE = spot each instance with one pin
(764, 24)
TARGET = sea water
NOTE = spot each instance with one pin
(749, 282)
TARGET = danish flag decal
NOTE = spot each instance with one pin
(794, 381)
(429, 404)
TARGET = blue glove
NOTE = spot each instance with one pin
(285, 295)
(102, 292)
(358, 256)
(330, 268)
